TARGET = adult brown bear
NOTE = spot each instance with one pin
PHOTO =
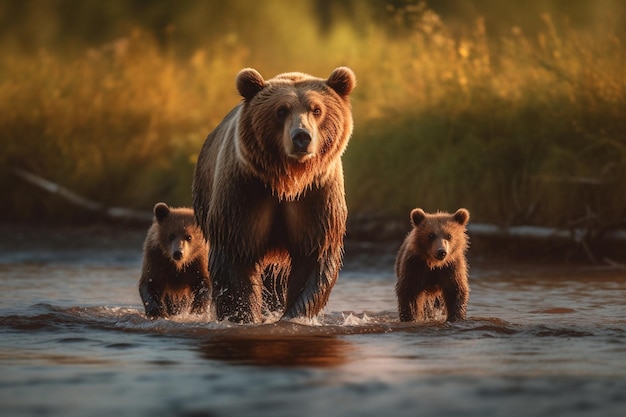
(268, 193)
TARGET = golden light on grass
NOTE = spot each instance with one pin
(442, 119)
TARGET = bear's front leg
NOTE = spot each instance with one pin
(236, 289)
(407, 309)
(151, 298)
(456, 302)
(275, 278)
(202, 299)
(310, 283)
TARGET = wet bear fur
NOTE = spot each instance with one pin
(268, 192)
(431, 267)
(174, 277)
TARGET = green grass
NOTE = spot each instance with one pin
(519, 128)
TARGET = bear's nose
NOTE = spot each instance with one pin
(301, 139)
(178, 255)
(441, 253)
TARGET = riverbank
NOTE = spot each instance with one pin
(371, 244)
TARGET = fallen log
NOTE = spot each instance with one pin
(112, 212)
(577, 235)
(537, 232)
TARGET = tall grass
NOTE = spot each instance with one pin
(519, 129)
(120, 124)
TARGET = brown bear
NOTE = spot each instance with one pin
(431, 267)
(268, 192)
(174, 277)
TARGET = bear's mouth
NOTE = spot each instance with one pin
(301, 156)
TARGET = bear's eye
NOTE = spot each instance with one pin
(317, 112)
(188, 238)
(449, 236)
(282, 112)
(432, 236)
(171, 237)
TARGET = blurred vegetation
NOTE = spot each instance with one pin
(516, 112)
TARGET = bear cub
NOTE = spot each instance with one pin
(174, 277)
(432, 268)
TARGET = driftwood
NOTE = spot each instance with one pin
(112, 212)
(536, 232)
(577, 235)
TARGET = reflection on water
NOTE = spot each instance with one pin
(538, 341)
(290, 351)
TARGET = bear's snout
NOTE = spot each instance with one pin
(178, 250)
(441, 248)
(301, 138)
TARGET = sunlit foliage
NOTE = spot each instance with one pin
(522, 124)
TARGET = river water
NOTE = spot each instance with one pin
(540, 340)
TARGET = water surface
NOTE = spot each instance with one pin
(539, 340)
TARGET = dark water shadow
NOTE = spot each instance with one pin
(286, 351)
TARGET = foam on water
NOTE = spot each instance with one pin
(48, 317)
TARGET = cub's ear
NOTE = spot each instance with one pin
(342, 80)
(417, 216)
(249, 83)
(161, 211)
(462, 216)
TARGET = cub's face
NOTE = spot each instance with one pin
(179, 237)
(439, 238)
(178, 245)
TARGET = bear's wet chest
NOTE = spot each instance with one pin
(283, 223)
(434, 277)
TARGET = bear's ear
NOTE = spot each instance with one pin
(417, 215)
(462, 216)
(161, 211)
(342, 80)
(249, 83)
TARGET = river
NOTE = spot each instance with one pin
(540, 340)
